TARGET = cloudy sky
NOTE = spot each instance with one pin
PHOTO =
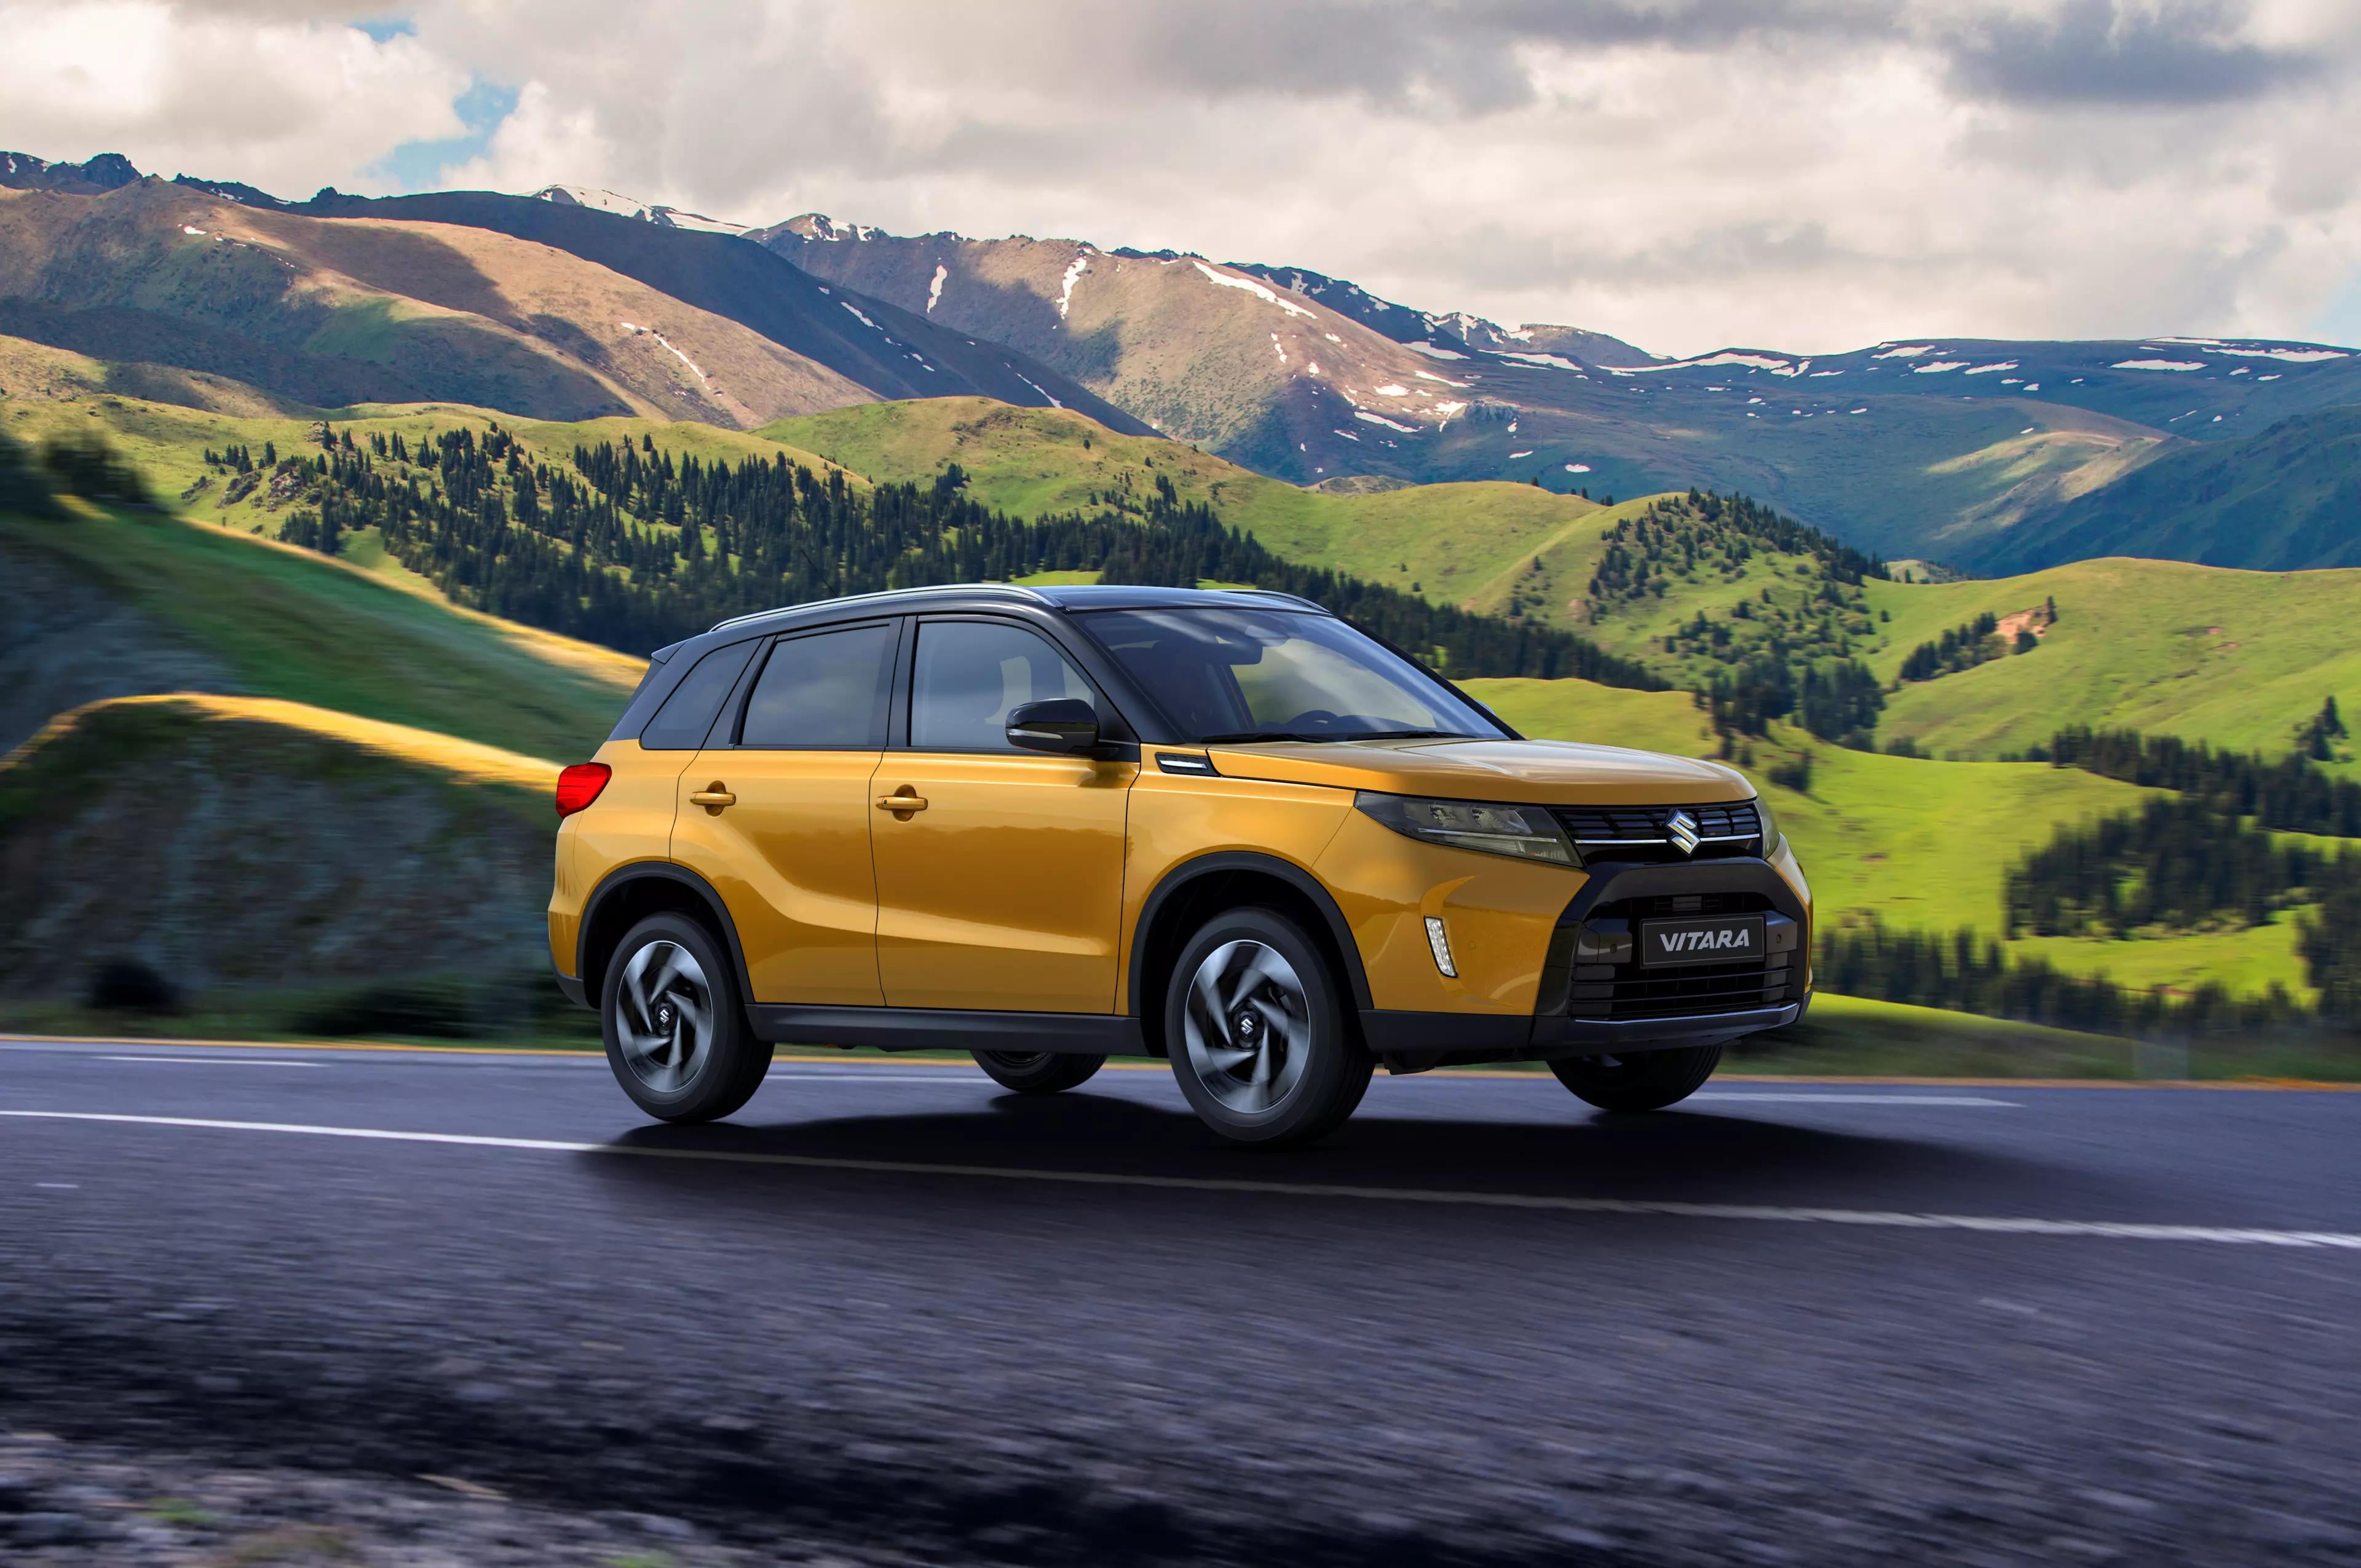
(1808, 175)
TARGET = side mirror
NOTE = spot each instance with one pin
(1066, 725)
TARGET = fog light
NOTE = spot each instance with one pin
(1437, 938)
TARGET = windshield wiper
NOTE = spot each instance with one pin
(1245, 735)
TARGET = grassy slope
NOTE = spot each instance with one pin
(2236, 658)
(456, 761)
(1451, 543)
(1920, 844)
(291, 625)
(168, 440)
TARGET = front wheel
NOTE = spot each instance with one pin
(1644, 1081)
(1037, 1072)
(675, 1034)
(1258, 1034)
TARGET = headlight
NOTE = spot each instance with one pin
(1769, 827)
(1528, 832)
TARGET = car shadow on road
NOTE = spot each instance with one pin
(1689, 1156)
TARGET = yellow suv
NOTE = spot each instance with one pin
(1052, 825)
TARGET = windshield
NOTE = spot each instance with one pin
(1224, 675)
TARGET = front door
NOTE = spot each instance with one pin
(1005, 889)
(774, 813)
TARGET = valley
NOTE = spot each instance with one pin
(450, 464)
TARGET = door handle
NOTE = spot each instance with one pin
(902, 803)
(713, 797)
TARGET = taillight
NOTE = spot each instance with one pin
(578, 786)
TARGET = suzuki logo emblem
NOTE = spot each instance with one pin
(1681, 828)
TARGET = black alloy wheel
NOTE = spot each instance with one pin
(1037, 1072)
(677, 1034)
(1644, 1081)
(1257, 1030)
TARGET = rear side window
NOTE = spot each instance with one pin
(683, 722)
(824, 692)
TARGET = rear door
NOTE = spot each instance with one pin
(1003, 890)
(774, 813)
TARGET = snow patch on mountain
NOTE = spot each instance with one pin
(1380, 419)
(623, 207)
(1259, 290)
(1728, 357)
(1431, 352)
(2159, 365)
(1074, 270)
(935, 288)
(2292, 355)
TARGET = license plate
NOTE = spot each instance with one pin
(1731, 938)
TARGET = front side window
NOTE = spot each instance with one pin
(972, 673)
(1238, 675)
(824, 692)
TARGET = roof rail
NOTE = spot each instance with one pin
(1015, 589)
(1291, 599)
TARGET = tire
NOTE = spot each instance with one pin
(1037, 1072)
(1258, 1034)
(676, 1036)
(1644, 1081)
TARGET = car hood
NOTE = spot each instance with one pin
(1540, 773)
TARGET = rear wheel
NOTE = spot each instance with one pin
(1256, 1028)
(1037, 1072)
(1644, 1081)
(677, 1036)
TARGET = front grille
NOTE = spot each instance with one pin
(1639, 832)
(1629, 990)
(1665, 905)
(1680, 994)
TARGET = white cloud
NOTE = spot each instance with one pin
(1802, 175)
(272, 97)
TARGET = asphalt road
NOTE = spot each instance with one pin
(897, 1310)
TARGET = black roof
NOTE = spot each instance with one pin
(975, 596)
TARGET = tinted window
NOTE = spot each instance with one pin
(824, 692)
(680, 725)
(972, 672)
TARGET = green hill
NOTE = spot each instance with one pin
(2285, 500)
(279, 866)
(1450, 543)
(137, 604)
(2238, 659)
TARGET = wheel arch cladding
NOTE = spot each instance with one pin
(629, 895)
(1196, 890)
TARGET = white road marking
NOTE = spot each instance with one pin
(221, 1061)
(1776, 1097)
(1996, 1224)
(967, 1080)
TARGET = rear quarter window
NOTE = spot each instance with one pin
(688, 715)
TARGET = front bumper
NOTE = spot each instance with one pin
(1583, 1007)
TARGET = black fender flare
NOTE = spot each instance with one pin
(622, 876)
(1181, 877)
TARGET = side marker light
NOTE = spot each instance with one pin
(1439, 940)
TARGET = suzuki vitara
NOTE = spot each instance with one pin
(1052, 825)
